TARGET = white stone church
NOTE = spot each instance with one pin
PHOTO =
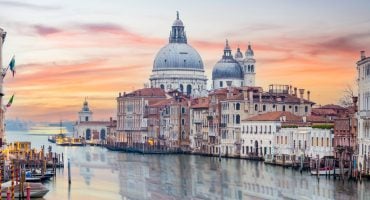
(178, 66)
(92, 131)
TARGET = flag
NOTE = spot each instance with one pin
(12, 65)
(10, 101)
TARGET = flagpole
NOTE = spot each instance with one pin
(2, 38)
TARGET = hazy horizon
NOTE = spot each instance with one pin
(67, 50)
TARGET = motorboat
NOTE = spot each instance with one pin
(37, 190)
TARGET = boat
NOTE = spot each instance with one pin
(38, 190)
(76, 142)
(328, 171)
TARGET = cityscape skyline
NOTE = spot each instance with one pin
(66, 52)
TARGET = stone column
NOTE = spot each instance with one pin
(2, 38)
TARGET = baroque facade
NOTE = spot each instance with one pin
(85, 127)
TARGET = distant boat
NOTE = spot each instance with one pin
(328, 170)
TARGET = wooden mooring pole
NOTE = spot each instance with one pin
(69, 171)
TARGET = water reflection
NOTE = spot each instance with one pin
(101, 174)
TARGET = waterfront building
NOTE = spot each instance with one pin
(199, 124)
(363, 114)
(131, 121)
(92, 131)
(260, 132)
(214, 120)
(175, 121)
(111, 132)
(345, 134)
(178, 65)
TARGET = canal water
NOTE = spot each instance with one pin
(101, 174)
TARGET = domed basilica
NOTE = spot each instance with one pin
(238, 72)
(178, 65)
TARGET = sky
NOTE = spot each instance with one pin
(68, 50)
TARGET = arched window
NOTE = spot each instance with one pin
(237, 106)
(249, 68)
(188, 89)
(88, 134)
(306, 108)
(162, 86)
(264, 107)
(102, 134)
(86, 118)
(181, 88)
(237, 119)
(255, 107)
(252, 68)
(283, 107)
(221, 85)
(296, 109)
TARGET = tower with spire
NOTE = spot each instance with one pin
(85, 114)
(249, 67)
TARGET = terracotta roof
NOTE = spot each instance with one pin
(323, 112)
(239, 96)
(317, 119)
(202, 102)
(147, 92)
(332, 106)
(160, 103)
(276, 116)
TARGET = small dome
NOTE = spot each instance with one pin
(227, 70)
(178, 21)
(178, 56)
(238, 54)
(249, 52)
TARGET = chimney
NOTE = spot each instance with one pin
(119, 95)
(308, 95)
(363, 56)
(301, 92)
(290, 90)
(354, 99)
(111, 119)
(295, 92)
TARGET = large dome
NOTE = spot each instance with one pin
(227, 70)
(178, 56)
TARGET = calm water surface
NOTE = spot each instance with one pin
(101, 174)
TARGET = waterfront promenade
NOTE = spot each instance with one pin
(101, 174)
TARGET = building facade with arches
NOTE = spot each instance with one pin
(92, 131)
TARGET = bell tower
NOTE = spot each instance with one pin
(85, 114)
(249, 67)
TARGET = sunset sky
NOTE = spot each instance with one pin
(68, 50)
